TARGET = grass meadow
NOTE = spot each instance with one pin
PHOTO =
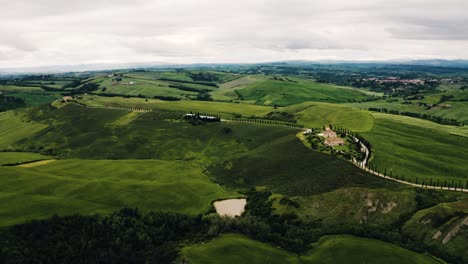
(66, 187)
(233, 248)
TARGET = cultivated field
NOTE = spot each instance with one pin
(232, 248)
(417, 148)
(103, 186)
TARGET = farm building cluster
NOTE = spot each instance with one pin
(192, 116)
(331, 139)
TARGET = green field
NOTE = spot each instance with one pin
(294, 91)
(188, 106)
(287, 167)
(227, 91)
(457, 110)
(145, 88)
(20, 157)
(162, 83)
(316, 115)
(349, 249)
(233, 248)
(148, 136)
(442, 227)
(14, 88)
(102, 186)
(37, 98)
(417, 148)
(15, 126)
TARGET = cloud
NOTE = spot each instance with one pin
(432, 29)
(185, 31)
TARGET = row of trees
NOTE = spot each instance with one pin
(423, 182)
(452, 184)
(265, 122)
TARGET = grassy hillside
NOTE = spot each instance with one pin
(37, 98)
(457, 110)
(15, 126)
(145, 88)
(20, 157)
(349, 249)
(232, 248)
(320, 114)
(143, 137)
(227, 90)
(417, 148)
(188, 106)
(288, 91)
(175, 84)
(352, 206)
(287, 167)
(102, 186)
(443, 227)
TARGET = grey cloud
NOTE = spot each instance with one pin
(431, 29)
(74, 32)
(15, 41)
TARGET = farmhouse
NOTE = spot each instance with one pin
(334, 141)
(328, 133)
(67, 98)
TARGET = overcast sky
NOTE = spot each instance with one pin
(61, 32)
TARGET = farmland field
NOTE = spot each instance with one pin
(20, 157)
(232, 248)
(100, 175)
(348, 249)
(102, 186)
(284, 93)
(15, 126)
(195, 106)
(320, 114)
(417, 148)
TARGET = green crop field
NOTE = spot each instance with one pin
(188, 106)
(284, 93)
(164, 84)
(13, 88)
(226, 91)
(146, 136)
(233, 248)
(37, 98)
(457, 110)
(307, 172)
(417, 148)
(349, 249)
(20, 157)
(142, 87)
(15, 126)
(102, 186)
(316, 115)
